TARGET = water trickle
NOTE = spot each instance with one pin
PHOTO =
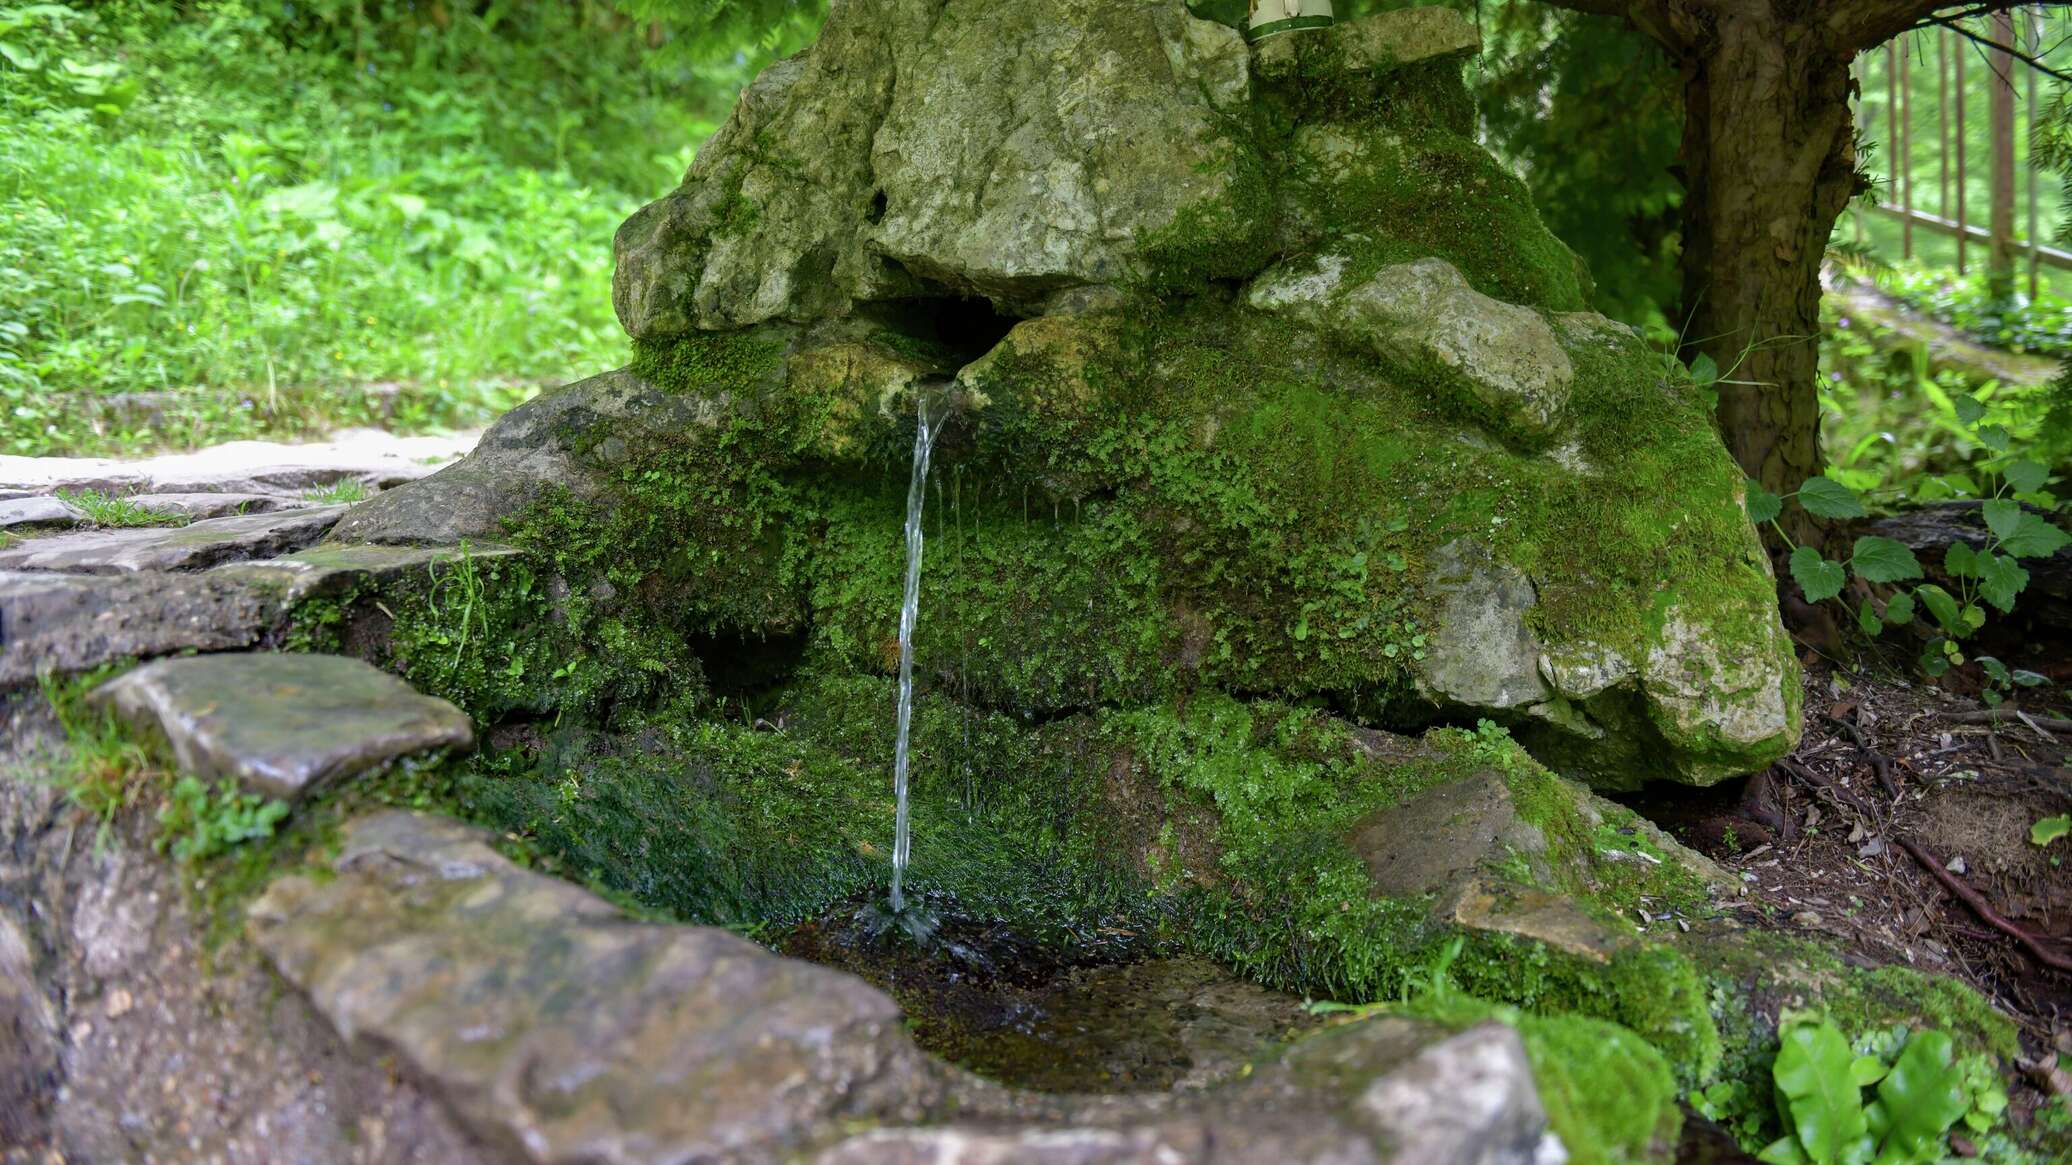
(909, 613)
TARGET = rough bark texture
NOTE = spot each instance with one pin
(1769, 158)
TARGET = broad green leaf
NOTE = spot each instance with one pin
(2026, 476)
(1812, 1076)
(1960, 560)
(1868, 622)
(2002, 516)
(1969, 408)
(1899, 609)
(1883, 560)
(2034, 537)
(1933, 663)
(2049, 829)
(1704, 370)
(1783, 1151)
(2000, 579)
(2029, 679)
(1941, 605)
(1995, 437)
(1924, 1094)
(1820, 578)
(1974, 617)
(1825, 497)
(1993, 667)
(1762, 504)
(1867, 1070)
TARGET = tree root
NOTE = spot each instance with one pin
(1982, 908)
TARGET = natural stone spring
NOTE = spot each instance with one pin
(1110, 1016)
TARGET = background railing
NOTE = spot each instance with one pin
(1918, 113)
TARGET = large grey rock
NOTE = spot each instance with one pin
(560, 1030)
(1047, 145)
(1378, 42)
(1017, 149)
(282, 724)
(376, 459)
(1423, 318)
(528, 452)
(178, 548)
(771, 218)
(70, 623)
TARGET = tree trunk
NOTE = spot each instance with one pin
(1770, 165)
(2000, 268)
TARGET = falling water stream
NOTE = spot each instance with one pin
(909, 612)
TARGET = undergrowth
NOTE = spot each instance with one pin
(232, 219)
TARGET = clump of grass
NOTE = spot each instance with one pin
(105, 509)
(107, 768)
(345, 491)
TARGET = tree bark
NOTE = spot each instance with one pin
(1770, 162)
(2000, 266)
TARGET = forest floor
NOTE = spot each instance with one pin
(1902, 820)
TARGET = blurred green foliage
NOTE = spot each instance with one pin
(230, 218)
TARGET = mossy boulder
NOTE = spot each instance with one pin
(1266, 379)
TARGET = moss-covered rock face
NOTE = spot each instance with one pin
(1268, 380)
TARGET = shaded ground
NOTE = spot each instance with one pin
(1890, 777)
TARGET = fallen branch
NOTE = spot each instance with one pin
(2006, 715)
(1982, 908)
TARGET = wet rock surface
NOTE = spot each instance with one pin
(986, 1000)
(282, 725)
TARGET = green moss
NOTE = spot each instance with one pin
(1609, 1095)
(494, 636)
(1392, 197)
(707, 361)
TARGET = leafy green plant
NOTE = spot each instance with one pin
(2001, 680)
(199, 821)
(1921, 1092)
(104, 509)
(1988, 575)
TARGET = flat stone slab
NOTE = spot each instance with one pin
(20, 515)
(68, 623)
(200, 507)
(378, 460)
(332, 567)
(557, 1028)
(178, 548)
(282, 724)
